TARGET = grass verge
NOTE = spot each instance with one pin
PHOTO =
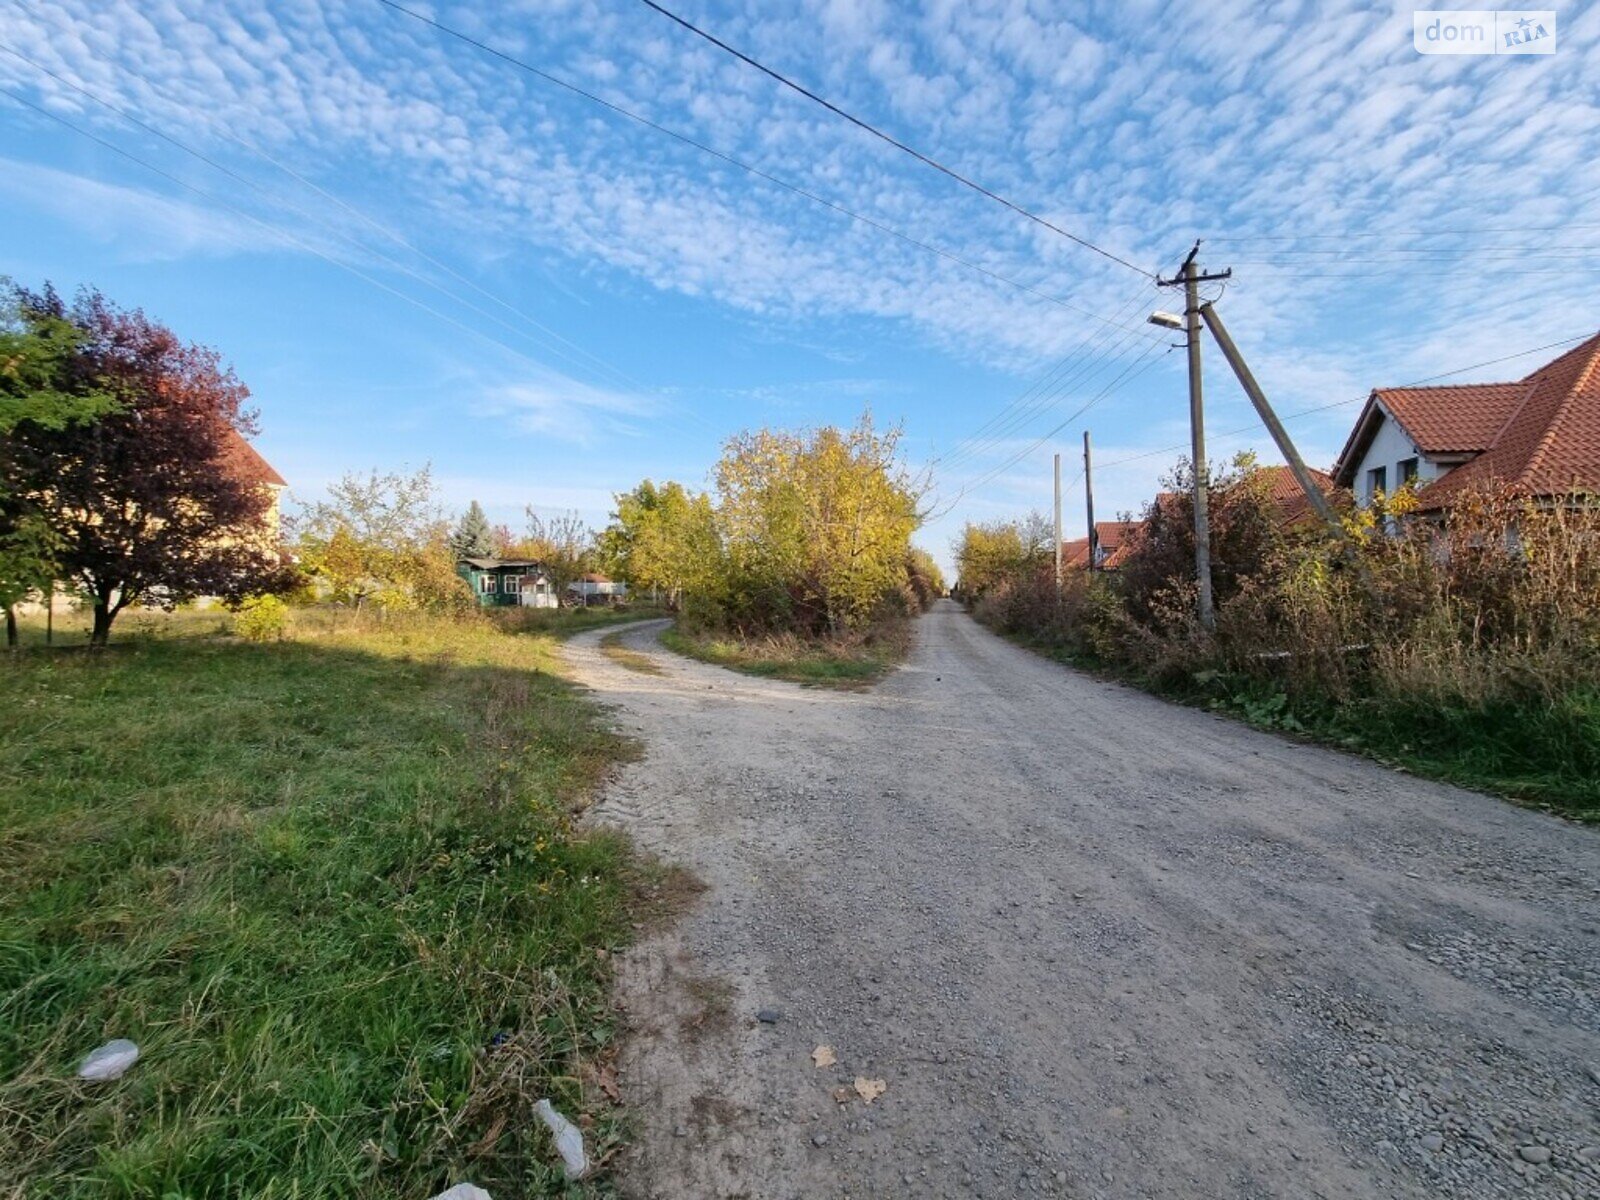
(332, 888)
(611, 646)
(851, 664)
(1540, 753)
(565, 622)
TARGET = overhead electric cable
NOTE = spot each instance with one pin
(1306, 412)
(1057, 374)
(1086, 370)
(892, 140)
(749, 168)
(278, 231)
(593, 361)
(1132, 371)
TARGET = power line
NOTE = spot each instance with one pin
(1087, 369)
(1052, 377)
(1408, 233)
(1306, 412)
(891, 140)
(740, 164)
(593, 361)
(301, 243)
(1132, 371)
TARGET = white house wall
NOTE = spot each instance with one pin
(1391, 446)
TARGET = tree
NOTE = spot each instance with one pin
(369, 537)
(808, 532)
(1245, 531)
(664, 537)
(563, 543)
(996, 551)
(40, 388)
(815, 526)
(147, 503)
(924, 575)
(473, 536)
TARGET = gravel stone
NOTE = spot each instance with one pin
(1077, 929)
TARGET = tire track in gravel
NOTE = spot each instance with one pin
(1099, 946)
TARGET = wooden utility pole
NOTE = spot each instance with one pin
(1088, 497)
(1058, 522)
(1286, 447)
(1191, 279)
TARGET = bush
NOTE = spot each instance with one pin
(1455, 643)
(261, 618)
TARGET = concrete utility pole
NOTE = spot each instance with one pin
(1286, 447)
(1088, 496)
(1058, 522)
(1191, 278)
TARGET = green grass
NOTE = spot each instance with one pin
(316, 881)
(611, 646)
(828, 664)
(1538, 752)
(565, 622)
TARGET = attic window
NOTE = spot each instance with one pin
(1377, 481)
(1407, 468)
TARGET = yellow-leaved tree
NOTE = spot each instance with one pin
(816, 526)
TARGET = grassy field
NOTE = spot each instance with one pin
(856, 664)
(330, 886)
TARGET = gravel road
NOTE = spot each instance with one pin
(1094, 945)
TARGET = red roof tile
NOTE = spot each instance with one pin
(246, 460)
(1075, 553)
(1461, 419)
(1550, 444)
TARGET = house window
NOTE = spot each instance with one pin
(513, 584)
(1377, 481)
(487, 585)
(1408, 469)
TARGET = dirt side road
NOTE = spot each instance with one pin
(1095, 945)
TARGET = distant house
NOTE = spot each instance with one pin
(1113, 541)
(508, 582)
(1288, 498)
(596, 589)
(244, 461)
(1539, 436)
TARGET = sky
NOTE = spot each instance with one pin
(416, 252)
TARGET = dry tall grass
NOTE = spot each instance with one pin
(1468, 638)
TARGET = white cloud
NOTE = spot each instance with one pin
(1141, 127)
(140, 225)
(556, 406)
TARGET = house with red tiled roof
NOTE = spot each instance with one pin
(1539, 436)
(245, 461)
(1113, 541)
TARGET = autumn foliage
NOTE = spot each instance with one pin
(1471, 636)
(148, 502)
(805, 533)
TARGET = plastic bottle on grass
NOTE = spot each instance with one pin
(568, 1137)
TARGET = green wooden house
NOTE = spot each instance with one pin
(506, 582)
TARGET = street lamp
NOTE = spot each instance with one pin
(1166, 320)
